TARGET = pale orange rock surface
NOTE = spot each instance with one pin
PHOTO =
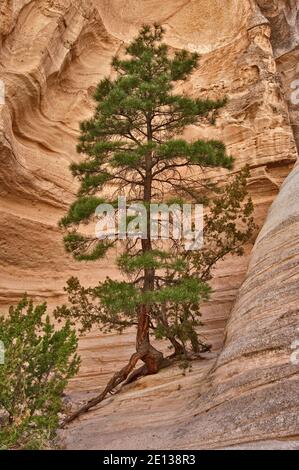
(52, 55)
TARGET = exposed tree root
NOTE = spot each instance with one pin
(117, 379)
(143, 370)
(126, 376)
(151, 357)
(136, 374)
(153, 360)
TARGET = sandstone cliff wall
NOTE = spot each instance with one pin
(52, 54)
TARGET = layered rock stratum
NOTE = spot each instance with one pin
(52, 55)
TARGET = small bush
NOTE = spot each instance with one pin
(38, 363)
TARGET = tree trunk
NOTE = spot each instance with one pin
(148, 354)
(179, 349)
(152, 358)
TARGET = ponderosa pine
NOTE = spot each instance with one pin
(131, 147)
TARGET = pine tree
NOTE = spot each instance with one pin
(131, 148)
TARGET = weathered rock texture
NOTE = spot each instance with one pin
(52, 54)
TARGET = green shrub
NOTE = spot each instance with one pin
(38, 362)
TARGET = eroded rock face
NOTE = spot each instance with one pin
(283, 16)
(284, 19)
(52, 55)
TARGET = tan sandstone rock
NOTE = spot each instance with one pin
(52, 54)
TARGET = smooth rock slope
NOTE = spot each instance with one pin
(52, 55)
